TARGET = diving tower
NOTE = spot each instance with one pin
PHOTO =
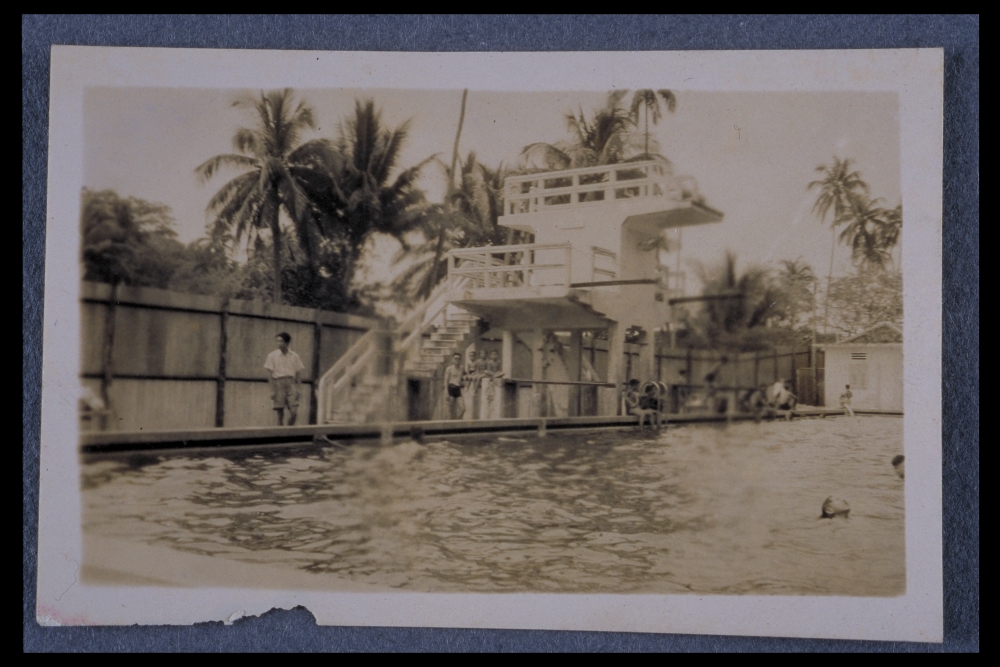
(595, 265)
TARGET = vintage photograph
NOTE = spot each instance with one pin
(637, 340)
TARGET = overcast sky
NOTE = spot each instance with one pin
(752, 154)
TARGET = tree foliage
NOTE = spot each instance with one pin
(608, 137)
(745, 310)
(127, 240)
(276, 167)
(864, 298)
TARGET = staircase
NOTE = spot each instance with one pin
(361, 387)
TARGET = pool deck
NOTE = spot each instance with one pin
(109, 442)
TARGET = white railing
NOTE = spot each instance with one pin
(511, 267)
(593, 185)
(336, 384)
(432, 312)
(364, 357)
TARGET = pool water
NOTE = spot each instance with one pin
(697, 509)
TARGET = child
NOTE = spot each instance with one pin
(845, 400)
(634, 406)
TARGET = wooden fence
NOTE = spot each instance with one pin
(167, 360)
(802, 366)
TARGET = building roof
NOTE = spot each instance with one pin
(883, 332)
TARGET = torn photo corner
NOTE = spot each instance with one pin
(582, 341)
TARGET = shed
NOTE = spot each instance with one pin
(872, 363)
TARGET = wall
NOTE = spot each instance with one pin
(876, 382)
(191, 361)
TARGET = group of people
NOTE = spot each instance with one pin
(478, 381)
(645, 404)
(771, 400)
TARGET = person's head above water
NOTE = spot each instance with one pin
(494, 355)
(633, 383)
(482, 354)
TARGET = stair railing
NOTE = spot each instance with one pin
(433, 311)
(361, 358)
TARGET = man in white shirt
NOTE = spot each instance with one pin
(284, 367)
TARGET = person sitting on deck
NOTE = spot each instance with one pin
(636, 404)
(780, 399)
(845, 400)
(757, 403)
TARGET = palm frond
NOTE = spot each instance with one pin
(209, 167)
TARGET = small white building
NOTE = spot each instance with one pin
(872, 364)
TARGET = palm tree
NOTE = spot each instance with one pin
(353, 191)
(838, 185)
(798, 282)
(605, 139)
(275, 164)
(738, 308)
(872, 232)
(649, 101)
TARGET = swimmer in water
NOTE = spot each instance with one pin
(898, 462)
(834, 507)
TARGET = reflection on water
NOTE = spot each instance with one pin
(698, 509)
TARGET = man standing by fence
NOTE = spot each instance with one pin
(284, 367)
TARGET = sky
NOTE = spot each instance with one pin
(752, 154)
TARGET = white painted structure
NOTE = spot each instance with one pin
(872, 364)
(595, 266)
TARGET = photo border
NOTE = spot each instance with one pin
(27, 439)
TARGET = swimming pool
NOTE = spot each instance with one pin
(697, 509)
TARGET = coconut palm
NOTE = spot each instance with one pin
(649, 101)
(275, 165)
(836, 188)
(740, 309)
(355, 189)
(604, 139)
(872, 232)
(468, 217)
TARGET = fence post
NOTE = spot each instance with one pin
(689, 369)
(314, 394)
(775, 378)
(220, 381)
(795, 377)
(107, 353)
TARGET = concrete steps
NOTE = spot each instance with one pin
(457, 332)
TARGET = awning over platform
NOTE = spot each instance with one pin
(545, 307)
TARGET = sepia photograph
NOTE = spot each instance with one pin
(643, 338)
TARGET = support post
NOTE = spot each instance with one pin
(220, 382)
(573, 370)
(317, 342)
(610, 397)
(107, 353)
(538, 371)
(507, 354)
